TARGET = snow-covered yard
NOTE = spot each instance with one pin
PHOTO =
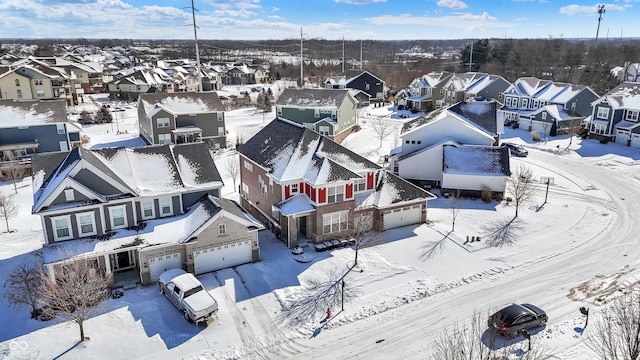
(397, 299)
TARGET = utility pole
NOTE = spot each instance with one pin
(301, 62)
(471, 56)
(343, 54)
(601, 11)
(360, 54)
(195, 35)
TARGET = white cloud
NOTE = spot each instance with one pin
(463, 21)
(452, 4)
(575, 9)
(360, 2)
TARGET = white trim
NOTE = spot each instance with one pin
(93, 224)
(153, 209)
(124, 216)
(162, 213)
(55, 232)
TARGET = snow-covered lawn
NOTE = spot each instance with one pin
(268, 309)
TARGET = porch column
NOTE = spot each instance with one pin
(107, 264)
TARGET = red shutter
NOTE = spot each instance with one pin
(322, 195)
(287, 192)
(313, 194)
(349, 191)
(370, 181)
(307, 189)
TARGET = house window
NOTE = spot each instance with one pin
(334, 222)
(294, 188)
(38, 82)
(86, 224)
(279, 111)
(603, 113)
(220, 131)
(19, 94)
(61, 228)
(40, 93)
(117, 216)
(60, 128)
(525, 103)
(17, 82)
(220, 116)
(632, 115)
(334, 114)
(366, 86)
(166, 207)
(245, 190)
(222, 229)
(248, 166)
(544, 115)
(316, 113)
(164, 138)
(69, 195)
(335, 194)
(360, 184)
(162, 122)
(147, 209)
(271, 185)
(600, 129)
(324, 130)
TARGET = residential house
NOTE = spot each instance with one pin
(304, 186)
(616, 115)
(87, 75)
(475, 168)
(359, 80)
(29, 127)
(474, 85)
(135, 212)
(140, 81)
(427, 92)
(421, 157)
(527, 95)
(245, 74)
(182, 118)
(29, 79)
(330, 112)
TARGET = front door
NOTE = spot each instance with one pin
(123, 260)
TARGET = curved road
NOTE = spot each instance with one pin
(407, 331)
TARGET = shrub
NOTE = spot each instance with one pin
(485, 194)
(535, 136)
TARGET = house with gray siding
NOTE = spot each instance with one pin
(140, 211)
(616, 115)
(474, 85)
(360, 80)
(329, 112)
(179, 118)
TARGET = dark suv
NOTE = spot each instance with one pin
(514, 319)
(516, 150)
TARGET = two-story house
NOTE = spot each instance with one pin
(302, 185)
(474, 85)
(29, 79)
(469, 126)
(360, 80)
(567, 104)
(427, 92)
(29, 127)
(616, 115)
(135, 212)
(140, 81)
(329, 112)
(178, 118)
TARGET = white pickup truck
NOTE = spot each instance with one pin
(187, 294)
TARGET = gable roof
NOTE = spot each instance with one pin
(182, 103)
(476, 160)
(32, 112)
(623, 96)
(482, 113)
(348, 76)
(557, 112)
(315, 98)
(142, 171)
(389, 190)
(431, 80)
(291, 152)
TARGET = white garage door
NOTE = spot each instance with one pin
(622, 137)
(402, 217)
(159, 264)
(635, 140)
(220, 257)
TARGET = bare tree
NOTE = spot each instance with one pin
(615, 334)
(454, 208)
(521, 187)
(8, 208)
(12, 170)
(75, 292)
(232, 165)
(382, 128)
(573, 131)
(364, 234)
(471, 340)
(23, 285)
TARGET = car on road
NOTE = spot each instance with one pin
(514, 319)
(187, 294)
(516, 150)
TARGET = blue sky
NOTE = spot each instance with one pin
(327, 19)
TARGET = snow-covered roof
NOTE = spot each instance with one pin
(557, 112)
(181, 103)
(390, 190)
(312, 98)
(476, 160)
(623, 96)
(32, 112)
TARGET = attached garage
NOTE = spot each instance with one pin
(402, 217)
(218, 257)
(622, 136)
(635, 140)
(159, 264)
